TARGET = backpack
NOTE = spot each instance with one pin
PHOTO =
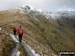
(20, 30)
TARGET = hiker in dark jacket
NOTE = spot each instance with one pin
(14, 31)
(20, 33)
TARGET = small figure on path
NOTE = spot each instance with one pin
(20, 33)
(14, 31)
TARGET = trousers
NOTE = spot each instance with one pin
(20, 38)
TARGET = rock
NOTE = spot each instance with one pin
(18, 53)
(0, 28)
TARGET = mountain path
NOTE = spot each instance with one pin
(15, 51)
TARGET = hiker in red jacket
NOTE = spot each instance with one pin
(20, 33)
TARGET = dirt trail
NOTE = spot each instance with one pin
(27, 48)
(15, 50)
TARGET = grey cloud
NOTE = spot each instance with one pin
(43, 4)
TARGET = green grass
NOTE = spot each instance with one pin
(57, 34)
(53, 34)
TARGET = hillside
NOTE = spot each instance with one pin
(45, 36)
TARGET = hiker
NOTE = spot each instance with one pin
(20, 33)
(14, 31)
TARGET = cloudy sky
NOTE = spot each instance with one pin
(41, 4)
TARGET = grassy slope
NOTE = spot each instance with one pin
(59, 34)
(5, 44)
(7, 21)
(55, 34)
(10, 20)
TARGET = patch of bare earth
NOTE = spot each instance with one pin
(5, 44)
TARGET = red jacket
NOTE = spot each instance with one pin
(18, 31)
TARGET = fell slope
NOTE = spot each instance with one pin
(45, 36)
(13, 19)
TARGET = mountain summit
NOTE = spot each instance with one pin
(28, 8)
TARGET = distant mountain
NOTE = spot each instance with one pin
(28, 9)
(57, 14)
(48, 14)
